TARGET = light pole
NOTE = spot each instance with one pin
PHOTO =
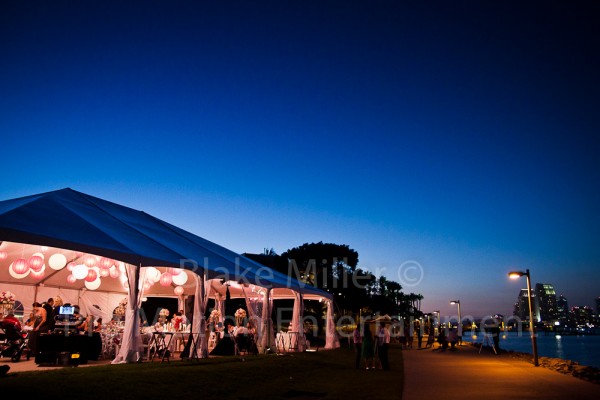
(517, 275)
(457, 302)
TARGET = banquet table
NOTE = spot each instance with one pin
(287, 341)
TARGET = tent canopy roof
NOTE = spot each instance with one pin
(80, 223)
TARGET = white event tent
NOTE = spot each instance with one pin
(96, 253)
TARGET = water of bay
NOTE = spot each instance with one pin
(585, 349)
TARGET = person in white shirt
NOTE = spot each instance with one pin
(383, 343)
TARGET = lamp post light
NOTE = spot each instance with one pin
(457, 302)
(438, 321)
(517, 275)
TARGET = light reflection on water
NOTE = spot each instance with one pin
(584, 349)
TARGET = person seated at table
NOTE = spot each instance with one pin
(30, 322)
(225, 346)
(78, 320)
(177, 321)
(98, 325)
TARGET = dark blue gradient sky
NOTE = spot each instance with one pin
(459, 138)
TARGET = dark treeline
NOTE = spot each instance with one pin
(334, 268)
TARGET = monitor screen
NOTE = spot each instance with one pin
(66, 310)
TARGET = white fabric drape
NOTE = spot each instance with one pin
(331, 338)
(254, 307)
(267, 336)
(296, 324)
(199, 320)
(220, 300)
(130, 350)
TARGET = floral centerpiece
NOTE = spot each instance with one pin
(7, 298)
(119, 312)
(240, 315)
(7, 302)
(215, 316)
(163, 315)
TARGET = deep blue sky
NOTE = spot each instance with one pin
(462, 136)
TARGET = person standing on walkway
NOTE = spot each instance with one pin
(357, 340)
(383, 343)
(368, 347)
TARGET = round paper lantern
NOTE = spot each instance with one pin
(57, 261)
(43, 249)
(174, 271)
(80, 271)
(152, 274)
(180, 279)
(166, 279)
(178, 290)
(38, 274)
(147, 285)
(35, 263)
(106, 263)
(14, 274)
(71, 278)
(114, 272)
(20, 266)
(104, 273)
(91, 275)
(94, 284)
(89, 260)
(3, 255)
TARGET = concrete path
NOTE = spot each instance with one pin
(465, 373)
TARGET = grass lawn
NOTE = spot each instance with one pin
(320, 375)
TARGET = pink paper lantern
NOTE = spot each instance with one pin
(70, 266)
(20, 266)
(35, 263)
(91, 275)
(37, 275)
(106, 263)
(71, 278)
(90, 260)
(114, 272)
(166, 279)
(178, 290)
(174, 271)
(3, 255)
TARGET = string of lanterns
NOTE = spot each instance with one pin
(91, 269)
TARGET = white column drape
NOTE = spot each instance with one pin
(296, 324)
(130, 350)
(267, 337)
(254, 307)
(220, 300)
(331, 338)
(199, 320)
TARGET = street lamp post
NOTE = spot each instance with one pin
(457, 302)
(516, 275)
(438, 321)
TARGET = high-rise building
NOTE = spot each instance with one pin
(562, 310)
(582, 315)
(522, 306)
(546, 297)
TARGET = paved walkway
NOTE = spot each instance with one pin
(466, 373)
